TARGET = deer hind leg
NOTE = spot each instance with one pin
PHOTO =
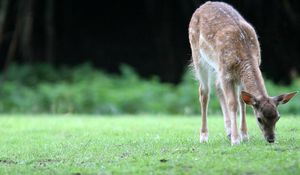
(204, 90)
(230, 95)
(202, 74)
(243, 127)
(227, 123)
(204, 99)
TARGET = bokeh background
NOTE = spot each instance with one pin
(113, 57)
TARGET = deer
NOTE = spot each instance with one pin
(225, 49)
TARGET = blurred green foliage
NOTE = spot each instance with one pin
(83, 89)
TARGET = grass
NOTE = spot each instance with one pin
(70, 144)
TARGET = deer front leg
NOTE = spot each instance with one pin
(244, 130)
(203, 98)
(232, 103)
(227, 123)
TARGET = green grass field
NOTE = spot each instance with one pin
(68, 144)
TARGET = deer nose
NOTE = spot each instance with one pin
(271, 139)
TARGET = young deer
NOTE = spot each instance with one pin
(224, 45)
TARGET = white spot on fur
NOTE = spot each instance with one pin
(238, 60)
(195, 20)
(242, 36)
(191, 30)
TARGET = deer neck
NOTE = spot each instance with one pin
(252, 80)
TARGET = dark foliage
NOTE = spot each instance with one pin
(45, 89)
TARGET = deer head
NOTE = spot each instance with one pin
(266, 112)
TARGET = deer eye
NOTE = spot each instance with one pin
(256, 105)
(259, 120)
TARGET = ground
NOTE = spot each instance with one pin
(78, 144)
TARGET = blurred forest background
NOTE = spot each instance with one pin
(110, 57)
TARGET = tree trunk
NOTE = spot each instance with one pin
(3, 14)
(49, 31)
(25, 17)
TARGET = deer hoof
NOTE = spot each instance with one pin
(235, 141)
(203, 137)
(244, 137)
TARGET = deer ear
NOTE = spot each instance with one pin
(248, 98)
(284, 98)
